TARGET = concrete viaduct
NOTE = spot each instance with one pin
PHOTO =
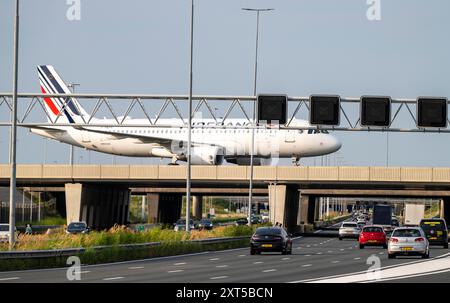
(100, 194)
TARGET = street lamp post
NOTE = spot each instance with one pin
(252, 148)
(72, 88)
(13, 138)
(188, 179)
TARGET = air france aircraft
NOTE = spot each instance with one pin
(210, 145)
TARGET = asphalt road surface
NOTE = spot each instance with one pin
(314, 259)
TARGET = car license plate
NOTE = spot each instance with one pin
(432, 238)
(266, 245)
(372, 241)
(406, 248)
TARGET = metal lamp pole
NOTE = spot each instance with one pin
(72, 88)
(188, 179)
(250, 189)
(13, 143)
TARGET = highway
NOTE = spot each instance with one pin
(314, 259)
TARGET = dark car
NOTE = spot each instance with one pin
(395, 222)
(270, 239)
(436, 231)
(255, 219)
(243, 221)
(77, 228)
(205, 224)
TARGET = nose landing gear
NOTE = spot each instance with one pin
(296, 160)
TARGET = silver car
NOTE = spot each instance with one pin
(4, 233)
(349, 230)
(408, 241)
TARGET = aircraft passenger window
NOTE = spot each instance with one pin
(310, 131)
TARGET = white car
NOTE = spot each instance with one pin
(4, 233)
(349, 230)
(408, 241)
(181, 225)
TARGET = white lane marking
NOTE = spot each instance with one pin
(9, 279)
(307, 265)
(143, 260)
(319, 253)
(113, 278)
(334, 262)
(180, 263)
(392, 272)
(269, 270)
(307, 255)
(241, 255)
(285, 259)
(308, 245)
(358, 258)
(136, 267)
(341, 249)
(414, 276)
(219, 277)
(221, 266)
(214, 259)
(174, 271)
(134, 261)
(258, 262)
(82, 272)
(330, 251)
(381, 253)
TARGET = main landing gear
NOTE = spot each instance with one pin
(174, 161)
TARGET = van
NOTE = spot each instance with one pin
(436, 231)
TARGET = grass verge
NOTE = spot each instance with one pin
(117, 254)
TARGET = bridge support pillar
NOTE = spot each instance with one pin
(284, 206)
(164, 208)
(100, 206)
(197, 207)
(307, 205)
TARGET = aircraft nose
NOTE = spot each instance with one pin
(334, 144)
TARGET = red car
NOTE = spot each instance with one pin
(372, 235)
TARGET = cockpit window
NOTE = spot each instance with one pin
(317, 131)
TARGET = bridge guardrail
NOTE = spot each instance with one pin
(5, 255)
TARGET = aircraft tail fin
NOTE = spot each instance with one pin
(62, 110)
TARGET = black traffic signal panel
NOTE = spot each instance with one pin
(272, 108)
(375, 111)
(432, 112)
(324, 110)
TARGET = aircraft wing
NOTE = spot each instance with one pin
(167, 143)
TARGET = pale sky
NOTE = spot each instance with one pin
(306, 47)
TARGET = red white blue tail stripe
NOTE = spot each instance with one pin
(51, 83)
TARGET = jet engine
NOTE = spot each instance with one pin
(206, 155)
(246, 161)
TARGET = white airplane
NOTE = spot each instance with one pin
(210, 146)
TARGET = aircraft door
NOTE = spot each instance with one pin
(289, 136)
(85, 136)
